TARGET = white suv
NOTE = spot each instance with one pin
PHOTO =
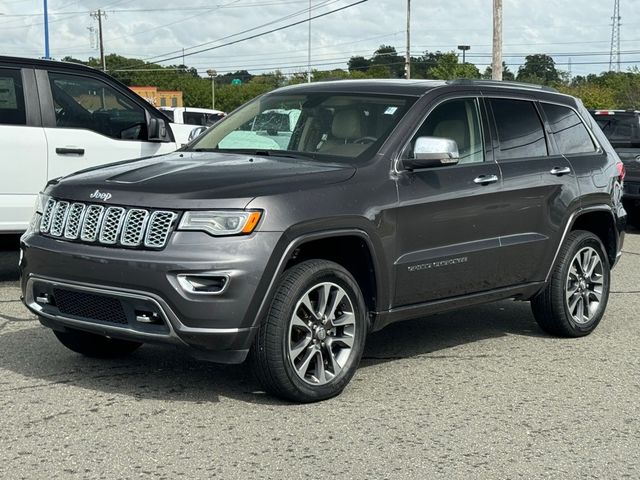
(204, 117)
(57, 118)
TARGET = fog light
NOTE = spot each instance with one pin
(203, 283)
(147, 317)
(44, 298)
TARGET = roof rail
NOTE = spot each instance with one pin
(502, 83)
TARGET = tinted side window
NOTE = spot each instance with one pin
(457, 120)
(520, 132)
(12, 109)
(570, 133)
(194, 118)
(89, 103)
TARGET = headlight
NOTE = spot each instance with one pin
(41, 202)
(221, 222)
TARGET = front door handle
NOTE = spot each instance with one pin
(560, 171)
(485, 179)
(70, 151)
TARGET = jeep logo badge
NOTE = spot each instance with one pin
(98, 195)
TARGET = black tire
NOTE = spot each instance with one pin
(551, 307)
(96, 346)
(272, 347)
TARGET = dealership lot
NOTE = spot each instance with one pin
(479, 393)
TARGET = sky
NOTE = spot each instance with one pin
(576, 34)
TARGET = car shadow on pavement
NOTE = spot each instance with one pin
(168, 374)
(9, 254)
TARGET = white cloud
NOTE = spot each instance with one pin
(545, 26)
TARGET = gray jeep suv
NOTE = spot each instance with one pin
(389, 200)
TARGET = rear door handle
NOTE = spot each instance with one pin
(485, 179)
(70, 151)
(559, 170)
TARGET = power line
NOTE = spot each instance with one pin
(267, 32)
(286, 17)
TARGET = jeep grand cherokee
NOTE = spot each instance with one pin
(390, 200)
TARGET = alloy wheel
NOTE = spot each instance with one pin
(585, 283)
(321, 333)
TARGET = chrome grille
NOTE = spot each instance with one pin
(74, 219)
(111, 225)
(91, 224)
(47, 215)
(107, 226)
(136, 222)
(59, 219)
(158, 231)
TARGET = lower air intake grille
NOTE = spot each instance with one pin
(89, 306)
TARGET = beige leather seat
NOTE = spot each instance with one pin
(345, 128)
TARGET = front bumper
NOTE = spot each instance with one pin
(65, 283)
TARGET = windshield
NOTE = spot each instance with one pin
(309, 124)
(620, 129)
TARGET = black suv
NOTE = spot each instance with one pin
(386, 201)
(622, 129)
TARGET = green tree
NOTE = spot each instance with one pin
(540, 69)
(386, 56)
(358, 64)
(447, 67)
(506, 73)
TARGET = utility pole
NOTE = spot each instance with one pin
(309, 47)
(407, 60)
(46, 31)
(99, 14)
(496, 66)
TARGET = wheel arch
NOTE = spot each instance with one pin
(597, 219)
(353, 249)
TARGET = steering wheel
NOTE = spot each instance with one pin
(365, 140)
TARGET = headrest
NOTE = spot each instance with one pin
(347, 125)
(452, 129)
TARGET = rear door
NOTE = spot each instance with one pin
(539, 186)
(89, 122)
(23, 162)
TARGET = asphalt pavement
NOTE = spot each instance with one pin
(479, 393)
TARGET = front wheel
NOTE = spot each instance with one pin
(310, 344)
(573, 302)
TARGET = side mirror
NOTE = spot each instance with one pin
(431, 152)
(157, 129)
(196, 132)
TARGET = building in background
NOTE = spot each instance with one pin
(159, 98)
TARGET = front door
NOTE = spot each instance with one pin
(94, 124)
(448, 220)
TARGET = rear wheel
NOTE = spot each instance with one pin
(573, 302)
(92, 345)
(310, 344)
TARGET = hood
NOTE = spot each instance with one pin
(197, 180)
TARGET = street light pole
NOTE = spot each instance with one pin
(212, 73)
(464, 49)
(309, 48)
(46, 31)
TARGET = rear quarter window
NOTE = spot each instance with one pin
(570, 133)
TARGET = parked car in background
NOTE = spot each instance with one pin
(203, 117)
(57, 118)
(392, 200)
(622, 129)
